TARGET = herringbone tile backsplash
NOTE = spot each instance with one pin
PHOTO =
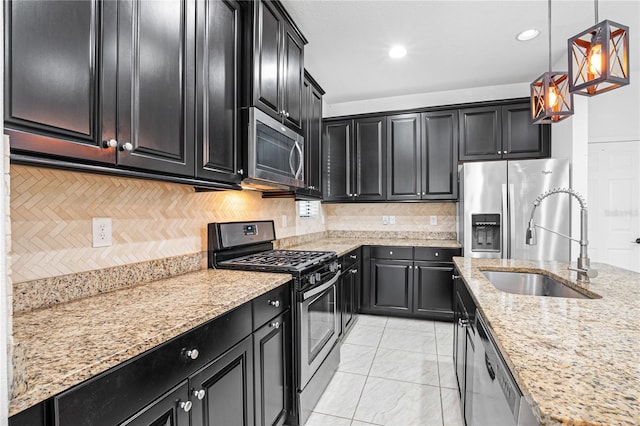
(51, 212)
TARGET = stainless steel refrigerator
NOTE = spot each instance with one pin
(496, 198)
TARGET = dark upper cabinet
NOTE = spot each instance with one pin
(222, 392)
(155, 91)
(404, 159)
(218, 47)
(370, 144)
(439, 175)
(520, 138)
(502, 132)
(337, 152)
(422, 156)
(312, 131)
(53, 82)
(354, 163)
(278, 63)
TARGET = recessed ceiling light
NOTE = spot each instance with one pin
(397, 52)
(529, 34)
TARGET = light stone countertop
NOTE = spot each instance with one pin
(577, 361)
(343, 246)
(68, 343)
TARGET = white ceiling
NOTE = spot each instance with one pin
(451, 44)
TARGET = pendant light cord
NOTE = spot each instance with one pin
(595, 7)
(549, 16)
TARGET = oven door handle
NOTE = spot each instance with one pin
(306, 295)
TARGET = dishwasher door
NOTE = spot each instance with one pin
(495, 396)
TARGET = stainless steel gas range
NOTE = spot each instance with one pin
(316, 318)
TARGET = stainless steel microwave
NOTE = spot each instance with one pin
(275, 154)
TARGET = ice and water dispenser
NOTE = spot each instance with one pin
(485, 232)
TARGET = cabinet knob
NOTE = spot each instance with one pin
(186, 406)
(127, 146)
(354, 271)
(275, 325)
(353, 256)
(424, 193)
(455, 277)
(111, 143)
(190, 353)
(286, 114)
(240, 171)
(199, 394)
(499, 152)
(463, 322)
(274, 303)
(390, 252)
(504, 152)
(436, 254)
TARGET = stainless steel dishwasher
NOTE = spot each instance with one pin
(496, 398)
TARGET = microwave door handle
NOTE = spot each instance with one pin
(300, 155)
(293, 172)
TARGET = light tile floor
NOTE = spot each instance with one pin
(393, 371)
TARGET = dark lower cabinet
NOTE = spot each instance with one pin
(463, 344)
(222, 392)
(171, 409)
(391, 286)
(272, 371)
(410, 281)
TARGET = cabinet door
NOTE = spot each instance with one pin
(293, 72)
(440, 155)
(337, 151)
(267, 73)
(433, 290)
(520, 138)
(480, 133)
(459, 342)
(312, 131)
(370, 165)
(272, 368)
(52, 77)
(348, 306)
(227, 385)
(403, 157)
(171, 409)
(156, 69)
(391, 286)
(219, 31)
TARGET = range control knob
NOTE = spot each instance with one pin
(312, 279)
(318, 276)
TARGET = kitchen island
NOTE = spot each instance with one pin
(575, 360)
(65, 344)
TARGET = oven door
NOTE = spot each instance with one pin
(319, 327)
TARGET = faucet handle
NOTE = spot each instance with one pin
(589, 272)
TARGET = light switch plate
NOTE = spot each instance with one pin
(392, 220)
(385, 220)
(434, 220)
(101, 227)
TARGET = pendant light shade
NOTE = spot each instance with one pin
(599, 59)
(551, 100)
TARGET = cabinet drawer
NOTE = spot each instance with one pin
(436, 254)
(118, 393)
(391, 252)
(270, 304)
(350, 259)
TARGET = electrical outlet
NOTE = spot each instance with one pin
(385, 220)
(434, 220)
(392, 220)
(101, 227)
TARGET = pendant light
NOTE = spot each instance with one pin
(550, 97)
(599, 58)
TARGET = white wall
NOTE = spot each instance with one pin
(419, 100)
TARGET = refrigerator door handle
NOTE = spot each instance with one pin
(512, 220)
(504, 229)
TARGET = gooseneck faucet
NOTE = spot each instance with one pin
(584, 265)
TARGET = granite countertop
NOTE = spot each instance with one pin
(68, 343)
(577, 361)
(343, 246)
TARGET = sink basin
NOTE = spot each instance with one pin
(531, 284)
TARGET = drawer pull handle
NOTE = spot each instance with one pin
(353, 256)
(275, 325)
(186, 406)
(199, 394)
(274, 303)
(190, 353)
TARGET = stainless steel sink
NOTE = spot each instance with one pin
(531, 284)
